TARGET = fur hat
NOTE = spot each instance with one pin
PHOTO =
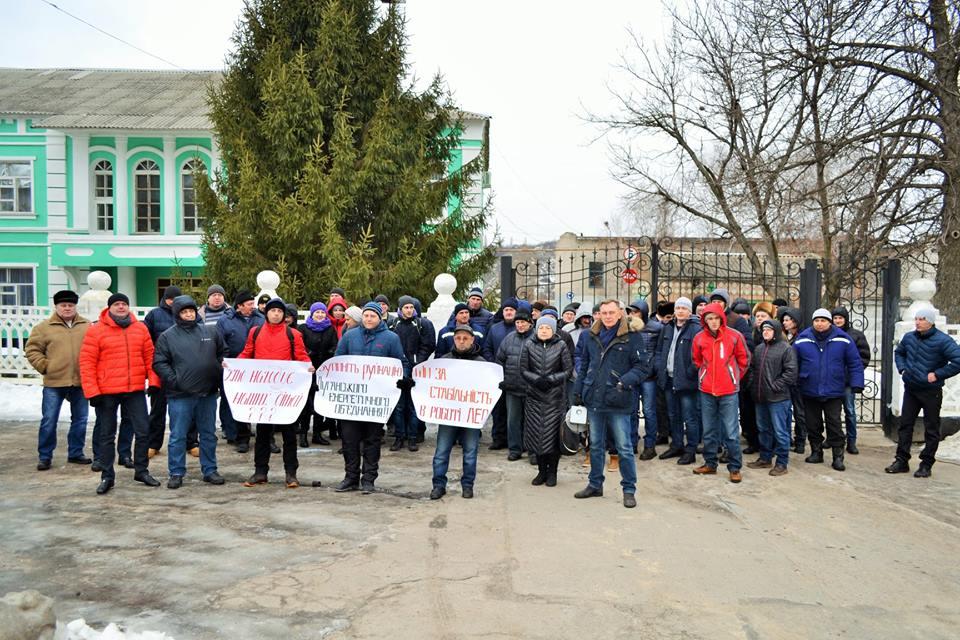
(66, 296)
(766, 307)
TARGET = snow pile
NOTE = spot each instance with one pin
(22, 402)
(949, 449)
(78, 630)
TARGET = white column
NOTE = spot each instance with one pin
(127, 283)
(169, 213)
(214, 158)
(122, 212)
(81, 182)
(56, 180)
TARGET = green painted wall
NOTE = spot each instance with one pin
(103, 141)
(39, 155)
(96, 253)
(194, 142)
(8, 126)
(147, 284)
(155, 143)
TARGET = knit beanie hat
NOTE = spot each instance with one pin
(822, 313)
(547, 320)
(460, 307)
(683, 302)
(118, 297)
(215, 288)
(241, 297)
(509, 302)
(276, 303)
(354, 313)
(171, 292)
(929, 313)
(476, 291)
(373, 306)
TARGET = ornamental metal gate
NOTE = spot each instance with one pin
(667, 268)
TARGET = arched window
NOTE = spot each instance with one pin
(192, 219)
(103, 195)
(147, 196)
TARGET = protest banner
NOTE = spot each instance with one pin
(362, 388)
(460, 393)
(266, 391)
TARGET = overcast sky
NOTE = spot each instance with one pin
(535, 67)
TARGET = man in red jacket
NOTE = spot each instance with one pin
(720, 353)
(275, 340)
(116, 359)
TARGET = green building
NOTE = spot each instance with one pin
(96, 173)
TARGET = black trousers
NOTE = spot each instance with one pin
(134, 408)
(498, 432)
(930, 401)
(308, 415)
(818, 410)
(663, 417)
(361, 437)
(261, 449)
(799, 416)
(158, 423)
(748, 418)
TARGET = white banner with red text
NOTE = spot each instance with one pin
(459, 393)
(362, 388)
(266, 391)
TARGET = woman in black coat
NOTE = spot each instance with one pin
(320, 340)
(545, 365)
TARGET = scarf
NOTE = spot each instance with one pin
(607, 335)
(312, 324)
(123, 322)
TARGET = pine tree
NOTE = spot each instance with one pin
(335, 168)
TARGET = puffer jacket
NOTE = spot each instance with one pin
(602, 368)
(414, 338)
(234, 328)
(320, 345)
(496, 332)
(773, 369)
(53, 349)
(860, 340)
(378, 341)
(273, 343)
(827, 364)
(545, 408)
(114, 359)
(918, 354)
(508, 357)
(158, 320)
(684, 371)
(188, 357)
(722, 358)
(650, 335)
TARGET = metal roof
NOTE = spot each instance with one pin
(108, 98)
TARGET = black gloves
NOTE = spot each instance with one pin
(406, 383)
(153, 390)
(857, 389)
(96, 401)
(578, 400)
(543, 383)
(620, 387)
(502, 386)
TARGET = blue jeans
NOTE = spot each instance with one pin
(619, 427)
(470, 440)
(405, 423)
(684, 410)
(648, 390)
(514, 422)
(53, 398)
(850, 413)
(720, 416)
(183, 412)
(773, 424)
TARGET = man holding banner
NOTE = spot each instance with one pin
(276, 341)
(464, 349)
(371, 338)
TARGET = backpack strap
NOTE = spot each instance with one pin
(293, 353)
(256, 334)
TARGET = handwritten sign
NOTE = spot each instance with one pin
(266, 391)
(362, 388)
(459, 393)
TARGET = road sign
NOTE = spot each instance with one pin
(629, 275)
(569, 295)
(630, 254)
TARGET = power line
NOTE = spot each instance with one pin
(530, 192)
(118, 39)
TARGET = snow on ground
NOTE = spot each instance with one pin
(950, 449)
(22, 402)
(78, 630)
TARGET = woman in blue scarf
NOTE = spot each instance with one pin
(320, 339)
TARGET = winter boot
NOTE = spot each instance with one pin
(541, 476)
(303, 441)
(397, 444)
(552, 470)
(816, 455)
(838, 459)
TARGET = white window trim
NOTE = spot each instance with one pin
(22, 265)
(183, 200)
(23, 215)
(96, 201)
(136, 213)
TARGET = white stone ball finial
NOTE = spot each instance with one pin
(441, 308)
(99, 280)
(922, 289)
(445, 284)
(268, 280)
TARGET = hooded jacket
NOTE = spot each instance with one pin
(860, 340)
(828, 363)
(414, 336)
(773, 369)
(721, 358)
(189, 356)
(234, 329)
(378, 341)
(158, 320)
(734, 320)
(650, 334)
(608, 376)
(53, 349)
(508, 357)
(685, 376)
(918, 354)
(797, 317)
(545, 408)
(320, 345)
(337, 324)
(114, 359)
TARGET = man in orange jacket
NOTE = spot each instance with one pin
(275, 340)
(720, 354)
(116, 360)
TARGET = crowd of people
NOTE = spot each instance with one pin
(701, 372)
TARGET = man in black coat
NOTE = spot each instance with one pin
(417, 346)
(841, 318)
(189, 360)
